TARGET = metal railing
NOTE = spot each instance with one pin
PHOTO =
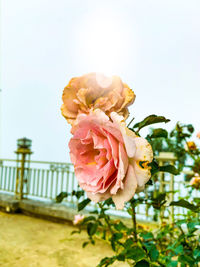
(44, 180)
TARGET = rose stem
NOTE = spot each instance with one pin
(134, 222)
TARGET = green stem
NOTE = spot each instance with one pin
(134, 222)
(106, 218)
(130, 122)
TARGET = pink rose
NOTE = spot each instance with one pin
(96, 91)
(106, 157)
(78, 219)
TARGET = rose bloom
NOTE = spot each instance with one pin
(198, 135)
(106, 157)
(78, 219)
(191, 145)
(195, 182)
(92, 91)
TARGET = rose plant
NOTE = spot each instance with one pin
(113, 163)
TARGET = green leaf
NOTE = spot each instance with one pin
(159, 133)
(117, 236)
(154, 253)
(147, 235)
(75, 232)
(178, 250)
(185, 204)
(120, 226)
(89, 218)
(190, 128)
(135, 253)
(196, 253)
(142, 263)
(159, 200)
(94, 212)
(150, 120)
(92, 228)
(120, 257)
(128, 243)
(83, 204)
(169, 168)
(78, 193)
(109, 202)
(186, 259)
(61, 196)
(85, 244)
(106, 261)
(154, 167)
(172, 264)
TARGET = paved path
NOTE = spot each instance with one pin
(31, 242)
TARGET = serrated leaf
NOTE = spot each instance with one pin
(150, 120)
(185, 204)
(83, 204)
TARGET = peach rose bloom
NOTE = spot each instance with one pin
(106, 157)
(92, 91)
(78, 219)
(191, 145)
(198, 135)
(195, 181)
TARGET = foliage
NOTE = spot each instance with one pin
(171, 244)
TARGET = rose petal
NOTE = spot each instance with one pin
(98, 197)
(143, 150)
(122, 170)
(142, 175)
(130, 185)
(128, 135)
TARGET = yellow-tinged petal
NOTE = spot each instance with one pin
(130, 185)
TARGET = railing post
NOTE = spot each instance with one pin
(23, 160)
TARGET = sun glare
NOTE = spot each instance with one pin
(104, 43)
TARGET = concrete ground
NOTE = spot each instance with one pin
(32, 242)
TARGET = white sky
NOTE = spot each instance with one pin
(154, 46)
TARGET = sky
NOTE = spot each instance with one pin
(154, 46)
